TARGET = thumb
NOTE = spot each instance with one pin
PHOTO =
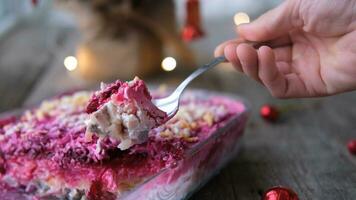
(272, 24)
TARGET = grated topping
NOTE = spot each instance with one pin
(56, 131)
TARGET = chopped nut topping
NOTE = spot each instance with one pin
(191, 139)
(209, 118)
(193, 125)
(166, 134)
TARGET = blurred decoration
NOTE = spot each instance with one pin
(241, 18)
(217, 17)
(269, 113)
(125, 38)
(351, 145)
(169, 64)
(279, 193)
(122, 39)
(192, 29)
(34, 2)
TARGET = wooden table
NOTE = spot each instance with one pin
(306, 150)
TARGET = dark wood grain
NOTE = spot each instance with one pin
(305, 150)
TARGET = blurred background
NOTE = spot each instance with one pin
(53, 46)
(59, 45)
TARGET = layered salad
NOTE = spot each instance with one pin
(110, 143)
(123, 111)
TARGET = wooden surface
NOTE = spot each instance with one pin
(305, 150)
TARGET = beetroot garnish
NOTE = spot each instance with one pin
(2, 165)
(101, 97)
(93, 104)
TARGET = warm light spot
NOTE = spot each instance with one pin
(169, 64)
(70, 63)
(241, 18)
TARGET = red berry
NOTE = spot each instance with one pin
(279, 193)
(351, 145)
(269, 112)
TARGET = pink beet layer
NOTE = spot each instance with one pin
(54, 149)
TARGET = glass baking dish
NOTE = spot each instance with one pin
(200, 163)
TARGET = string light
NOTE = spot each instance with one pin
(70, 63)
(169, 64)
(241, 18)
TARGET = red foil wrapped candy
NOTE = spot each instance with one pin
(351, 145)
(269, 113)
(279, 193)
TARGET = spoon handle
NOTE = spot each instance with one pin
(178, 91)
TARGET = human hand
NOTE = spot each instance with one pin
(309, 48)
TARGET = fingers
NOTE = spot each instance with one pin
(219, 50)
(284, 67)
(231, 56)
(262, 65)
(284, 40)
(249, 60)
(279, 84)
(283, 54)
(244, 58)
(271, 25)
(269, 74)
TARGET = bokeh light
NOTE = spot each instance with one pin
(241, 18)
(169, 64)
(70, 63)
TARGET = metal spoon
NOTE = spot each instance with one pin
(170, 104)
